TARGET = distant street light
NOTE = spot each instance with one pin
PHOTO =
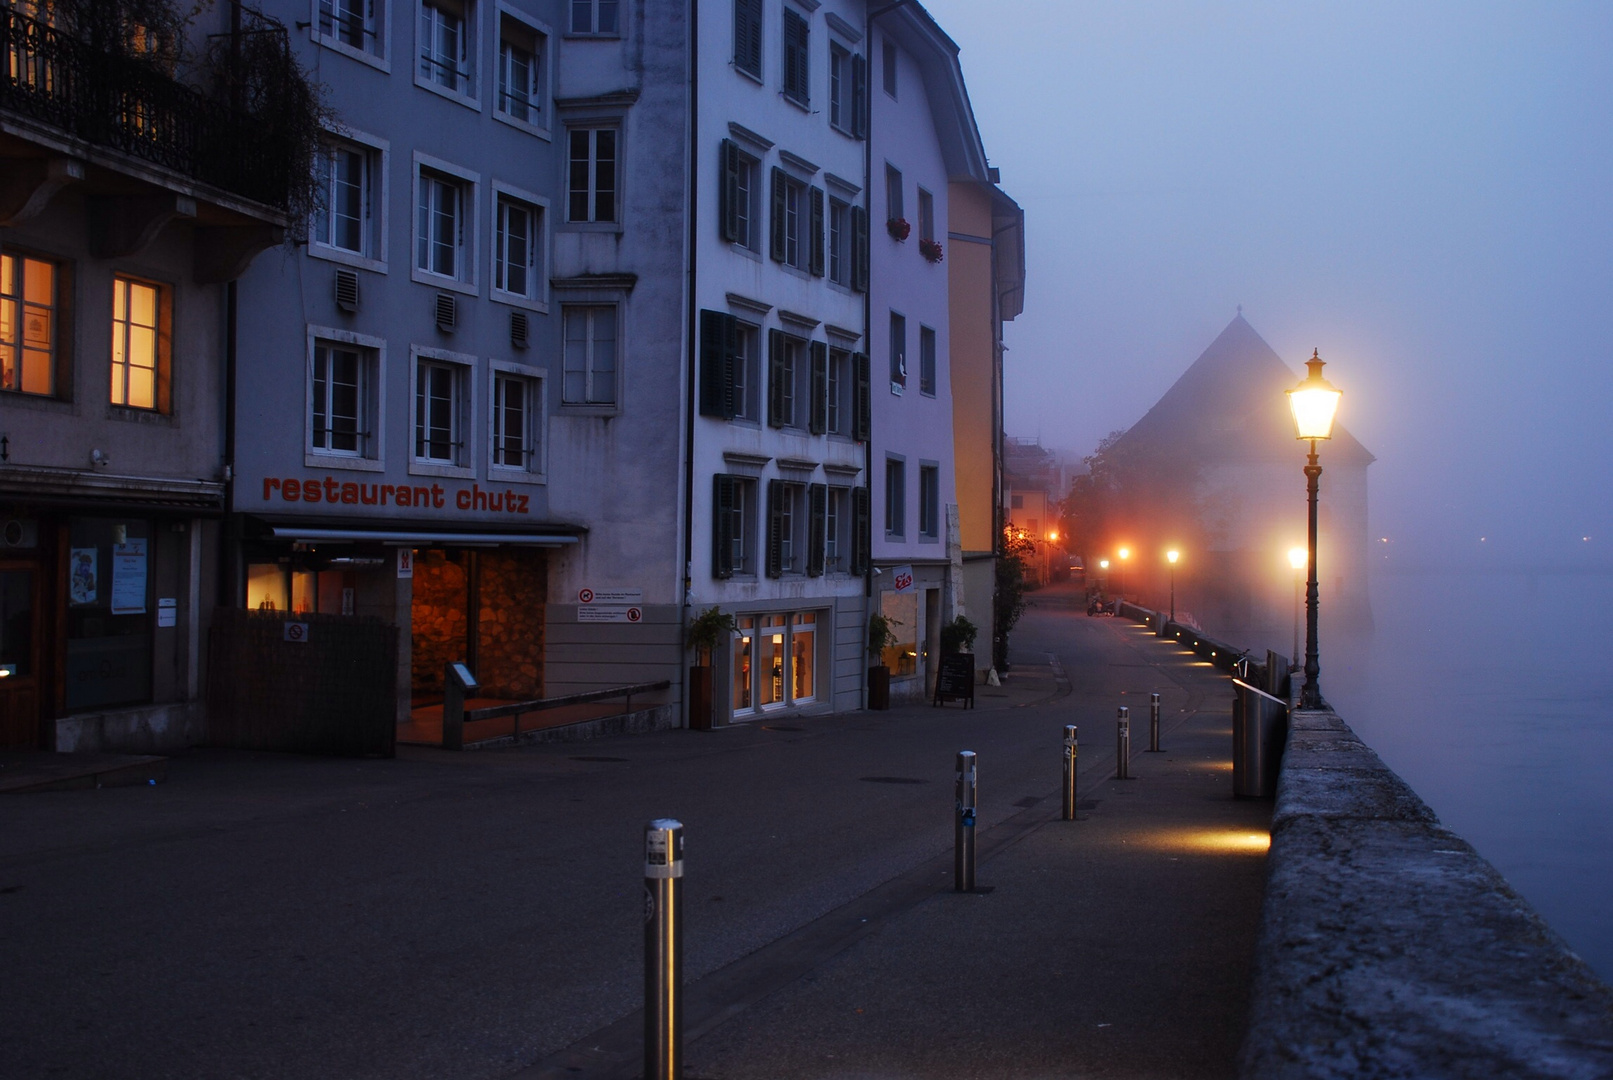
(1314, 403)
(1171, 556)
(1297, 558)
(1124, 553)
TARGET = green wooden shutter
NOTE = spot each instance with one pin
(722, 526)
(729, 192)
(859, 249)
(817, 522)
(776, 219)
(775, 378)
(748, 36)
(860, 537)
(717, 330)
(815, 260)
(797, 84)
(818, 414)
(862, 398)
(859, 96)
(775, 528)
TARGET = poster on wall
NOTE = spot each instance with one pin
(82, 579)
(129, 577)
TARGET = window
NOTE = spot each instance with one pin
(748, 36)
(730, 367)
(515, 422)
(837, 393)
(895, 498)
(597, 17)
(591, 187)
(797, 225)
(444, 45)
(786, 368)
(517, 235)
(926, 361)
(1017, 502)
(139, 345)
(894, 209)
(747, 371)
(888, 67)
(859, 249)
(733, 526)
(590, 355)
(839, 242)
(520, 72)
(345, 217)
(439, 400)
(898, 353)
(929, 502)
(440, 225)
(28, 324)
(785, 528)
(341, 407)
(797, 81)
(741, 197)
(357, 27)
(775, 662)
(926, 215)
(839, 88)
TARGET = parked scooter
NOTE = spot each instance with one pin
(1096, 606)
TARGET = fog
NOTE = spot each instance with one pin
(1424, 192)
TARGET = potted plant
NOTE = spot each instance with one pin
(958, 636)
(880, 638)
(898, 228)
(932, 250)
(706, 631)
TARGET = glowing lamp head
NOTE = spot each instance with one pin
(1172, 555)
(1314, 402)
(1054, 535)
(1103, 564)
(1297, 557)
(1125, 553)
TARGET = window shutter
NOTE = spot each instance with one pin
(816, 262)
(775, 528)
(859, 530)
(722, 527)
(717, 364)
(817, 522)
(859, 249)
(775, 378)
(818, 415)
(776, 219)
(862, 398)
(729, 195)
(748, 35)
(859, 96)
(795, 56)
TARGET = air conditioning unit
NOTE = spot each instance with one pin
(518, 329)
(347, 291)
(447, 312)
(19, 533)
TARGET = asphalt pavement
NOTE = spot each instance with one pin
(479, 915)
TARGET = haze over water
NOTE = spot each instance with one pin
(1424, 192)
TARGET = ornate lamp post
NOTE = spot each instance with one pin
(1171, 556)
(1297, 558)
(1314, 403)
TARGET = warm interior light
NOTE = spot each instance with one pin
(1297, 557)
(1172, 555)
(1314, 402)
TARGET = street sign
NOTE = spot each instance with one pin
(597, 613)
(297, 632)
(406, 562)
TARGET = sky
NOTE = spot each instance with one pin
(1423, 191)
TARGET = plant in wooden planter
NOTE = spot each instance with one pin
(898, 228)
(932, 250)
(880, 638)
(958, 636)
(706, 631)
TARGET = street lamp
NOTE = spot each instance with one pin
(1297, 558)
(1314, 403)
(1171, 556)
(1124, 553)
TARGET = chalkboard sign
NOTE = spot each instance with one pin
(956, 679)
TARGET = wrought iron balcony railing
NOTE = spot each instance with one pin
(125, 104)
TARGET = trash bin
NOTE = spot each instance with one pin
(1259, 727)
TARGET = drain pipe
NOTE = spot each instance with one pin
(691, 315)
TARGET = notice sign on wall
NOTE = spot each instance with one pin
(610, 596)
(592, 613)
(406, 562)
(129, 577)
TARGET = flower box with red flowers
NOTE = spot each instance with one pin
(898, 228)
(931, 249)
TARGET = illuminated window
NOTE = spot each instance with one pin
(139, 345)
(775, 660)
(28, 321)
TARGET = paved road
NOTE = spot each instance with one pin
(478, 915)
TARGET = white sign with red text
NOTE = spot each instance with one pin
(901, 579)
(593, 613)
(610, 596)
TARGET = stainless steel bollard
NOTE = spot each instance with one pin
(1123, 745)
(663, 950)
(1072, 757)
(1153, 723)
(963, 855)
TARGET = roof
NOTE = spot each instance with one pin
(950, 111)
(1230, 406)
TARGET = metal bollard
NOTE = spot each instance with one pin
(1123, 745)
(1153, 723)
(963, 855)
(663, 950)
(1072, 757)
